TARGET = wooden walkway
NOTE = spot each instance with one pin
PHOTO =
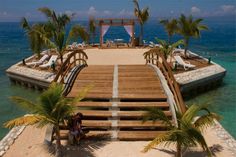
(115, 105)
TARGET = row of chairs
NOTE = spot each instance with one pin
(41, 62)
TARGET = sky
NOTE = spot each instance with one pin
(14, 10)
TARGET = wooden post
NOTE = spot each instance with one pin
(132, 38)
(101, 38)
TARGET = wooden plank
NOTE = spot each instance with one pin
(133, 123)
(137, 113)
(91, 135)
(96, 113)
(138, 135)
(137, 96)
(100, 113)
(123, 104)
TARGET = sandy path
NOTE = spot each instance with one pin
(118, 56)
(29, 144)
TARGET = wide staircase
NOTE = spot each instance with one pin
(119, 97)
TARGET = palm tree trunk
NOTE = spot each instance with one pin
(58, 142)
(179, 151)
(141, 35)
(186, 42)
(169, 39)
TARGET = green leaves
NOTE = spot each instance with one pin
(52, 108)
(185, 26)
(187, 133)
(52, 34)
(76, 32)
(143, 14)
(167, 48)
(170, 27)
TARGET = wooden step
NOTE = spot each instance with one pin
(93, 135)
(120, 124)
(123, 104)
(99, 113)
(139, 124)
(140, 96)
(138, 135)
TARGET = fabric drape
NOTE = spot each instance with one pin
(105, 29)
(128, 29)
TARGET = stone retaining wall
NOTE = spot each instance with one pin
(9, 139)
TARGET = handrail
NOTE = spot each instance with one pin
(155, 57)
(77, 58)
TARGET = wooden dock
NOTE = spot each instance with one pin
(118, 100)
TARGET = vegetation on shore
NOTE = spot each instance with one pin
(51, 109)
(187, 27)
(188, 130)
(52, 34)
(142, 15)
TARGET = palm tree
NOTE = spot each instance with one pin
(56, 26)
(188, 131)
(52, 108)
(142, 16)
(35, 40)
(92, 28)
(167, 48)
(188, 27)
(170, 27)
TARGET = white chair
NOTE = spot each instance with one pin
(49, 63)
(35, 63)
(183, 63)
(82, 45)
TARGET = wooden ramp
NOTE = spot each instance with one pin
(118, 100)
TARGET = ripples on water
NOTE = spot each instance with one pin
(219, 43)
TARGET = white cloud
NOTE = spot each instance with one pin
(125, 13)
(107, 12)
(4, 13)
(228, 8)
(69, 12)
(195, 10)
(92, 11)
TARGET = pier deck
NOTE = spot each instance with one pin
(118, 99)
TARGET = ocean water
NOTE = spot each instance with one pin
(219, 43)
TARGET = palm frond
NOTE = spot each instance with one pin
(158, 140)
(82, 94)
(24, 103)
(24, 24)
(24, 120)
(198, 137)
(46, 11)
(76, 32)
(206, 120)
(155, 114)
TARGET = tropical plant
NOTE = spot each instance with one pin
(188, 131)
(142, 16)
(92, 28)
(36, 41)
(188, 27)
(52, 108)
(167, 48)
(56, 27)
(170, 27)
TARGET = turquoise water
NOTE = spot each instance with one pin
(219, 43)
